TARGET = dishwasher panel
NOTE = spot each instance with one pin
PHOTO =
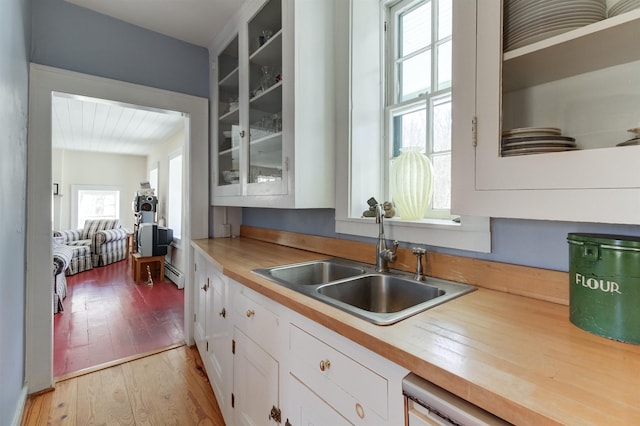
(429, 405)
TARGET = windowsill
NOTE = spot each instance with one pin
(472, 233)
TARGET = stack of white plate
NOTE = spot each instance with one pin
(535, 140)
(526, 22)
(635, 139)
(622, 6)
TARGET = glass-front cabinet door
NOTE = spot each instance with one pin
(553, 133)
(229, 135)
(275, 68)
(264, 173)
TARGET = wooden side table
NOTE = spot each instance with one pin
(139, 265)
(130, 248)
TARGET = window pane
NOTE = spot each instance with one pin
(97, 204)
(441, 182)
(153, 179)
(410, 129)
(415, 76)
(415, 29)
(174, 207)
(444, 19)
(442, 126)
(444, 65)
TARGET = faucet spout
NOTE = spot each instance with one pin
(384, 255)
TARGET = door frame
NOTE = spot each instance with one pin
(44, 80)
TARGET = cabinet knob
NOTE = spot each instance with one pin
(242, 133)
(359, 410)
(223, 313)
(250, 313)
(325, 364)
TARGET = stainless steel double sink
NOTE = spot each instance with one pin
(380, 298)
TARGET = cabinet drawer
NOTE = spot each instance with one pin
(355, 391)
(255, 320)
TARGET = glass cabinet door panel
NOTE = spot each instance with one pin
(228, 116)
(265, 95)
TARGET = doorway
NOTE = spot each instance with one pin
(43, 82)
(102, 152)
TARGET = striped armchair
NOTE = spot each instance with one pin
(101, 242)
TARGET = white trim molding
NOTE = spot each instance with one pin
(43, 82)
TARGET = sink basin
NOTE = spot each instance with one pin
(380, 298)
(385, 299)
(311, 273)
(381, 293)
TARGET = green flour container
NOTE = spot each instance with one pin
(604, 279)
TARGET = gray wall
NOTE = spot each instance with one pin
(59, 34)
(540, 244)
(14, 50)
(77, 39)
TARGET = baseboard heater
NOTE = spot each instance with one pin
(174, 275)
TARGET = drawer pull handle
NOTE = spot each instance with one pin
(359, 410)
(325, 364)
(250, 313)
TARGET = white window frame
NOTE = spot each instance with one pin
(75, 189)
(171, 203)
(361, 161)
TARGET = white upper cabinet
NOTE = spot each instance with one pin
(273, 110)
(585, 82)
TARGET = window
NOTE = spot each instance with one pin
(174, 204)
(404, 86)
(418, 89)
(94, 202)
(153, 178)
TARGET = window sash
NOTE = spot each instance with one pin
(397, 105)
(174, 195)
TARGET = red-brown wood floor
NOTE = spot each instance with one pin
(108, 316)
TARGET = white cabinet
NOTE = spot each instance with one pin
(585, 82)
(212, 329)
(273, 112)
(256, 387)
(308, 409)
(341, 382)
(257, 346)
(202, 300)
(219, 340)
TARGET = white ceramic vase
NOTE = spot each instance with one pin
(411, 183)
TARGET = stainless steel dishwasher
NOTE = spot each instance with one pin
(429, 405)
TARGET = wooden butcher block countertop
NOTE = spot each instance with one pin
(518, 357)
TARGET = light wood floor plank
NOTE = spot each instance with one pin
(37, 409)
(151, 401)
(64, 404)
(168, 388)
(115, 403)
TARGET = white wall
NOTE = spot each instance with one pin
(90, 168)
(160, 157)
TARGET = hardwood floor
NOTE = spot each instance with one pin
(109, 316)
(168, 388)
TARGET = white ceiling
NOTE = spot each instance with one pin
(87, 124)
(193, 21)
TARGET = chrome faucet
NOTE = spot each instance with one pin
(383, 254)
